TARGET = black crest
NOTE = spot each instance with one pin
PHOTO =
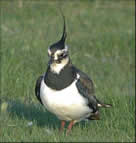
(61, 43)
(63, 38)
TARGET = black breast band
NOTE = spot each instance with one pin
(61, 80)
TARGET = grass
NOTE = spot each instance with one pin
(101, 40)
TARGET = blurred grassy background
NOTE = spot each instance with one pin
(101, 39)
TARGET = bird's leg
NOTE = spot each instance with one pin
(70, 127)
(62, 126)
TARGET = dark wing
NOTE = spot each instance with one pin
(37, 88)
(86, 88)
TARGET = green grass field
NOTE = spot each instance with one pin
(101, 39)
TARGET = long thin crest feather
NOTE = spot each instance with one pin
(63, 38)
(61, 43)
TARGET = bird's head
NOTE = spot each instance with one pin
(58, 52)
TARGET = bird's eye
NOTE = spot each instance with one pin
(61, 55)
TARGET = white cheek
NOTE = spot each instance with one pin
(55, 56)
(57, 68)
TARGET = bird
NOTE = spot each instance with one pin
(65, 90)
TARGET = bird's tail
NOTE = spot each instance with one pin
(104, 105)
(100, 104)
(96, 115)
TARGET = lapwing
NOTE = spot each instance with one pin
(65, 90)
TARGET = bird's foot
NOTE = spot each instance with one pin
(62, 126)
(69, 127)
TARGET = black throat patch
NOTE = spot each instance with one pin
(61, 80)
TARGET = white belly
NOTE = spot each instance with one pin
(66, 104)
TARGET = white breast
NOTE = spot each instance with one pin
(66, 104)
